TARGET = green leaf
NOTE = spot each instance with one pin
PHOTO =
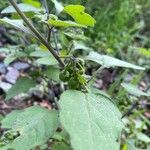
(17, 23)
(143, 137)
(35, 125)
(13, 56)
(144, 51)
(52, 73)
(22, 7)
(92, 121)
(108, 61)
(47, 61)
(21, 86)
(79, 45)
(9, 59)
(58, 6)
(40, 53)
(34, 3)
(78, 14)
(133, 90)
(76, 36)
(60, 23)
(7, 123)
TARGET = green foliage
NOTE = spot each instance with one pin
(74, 74)
(34, 3)
(35, 126)
(23, 7)
(47, 61)
(45, 57)
(108, 61)
(17, 23)
(9, 120)
(60, 23)
(115, 28)
(22, 86)
(58, 6)
(144, 51)
(85, 119)
(78, 14)
(131, 89)
(52, 73)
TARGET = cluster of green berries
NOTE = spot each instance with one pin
(8, 137)
(74, 74)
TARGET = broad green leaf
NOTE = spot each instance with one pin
(22, 7)
(99, 92)
(108, 61)
(76, 35)
(78, 14)
(34, 3)
(17, 23)
(92, 121)
(58, 6)
(40, 53)
(8, 121)
(52, 73)
(47, 61)
(80, 45)
(21, 86)
(134, 90)
(60, 23)
(35, 125)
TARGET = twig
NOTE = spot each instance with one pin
(34, 30)
(47, 12)
(95, 73)
(55, 40)
(49, 34)
(134, 105)
(46, 7)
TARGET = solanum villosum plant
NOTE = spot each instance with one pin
(91, 119)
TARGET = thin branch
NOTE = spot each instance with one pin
(46, 7)
(95, 73)
(134, 105)
(49, 34)
(47, 12)
(34, 30)
(55, 40)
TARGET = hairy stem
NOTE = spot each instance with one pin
(34, 30)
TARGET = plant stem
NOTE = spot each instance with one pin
(95, 73)
(55, 40)
(34, 30)
(47, 12)
(134, 105)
